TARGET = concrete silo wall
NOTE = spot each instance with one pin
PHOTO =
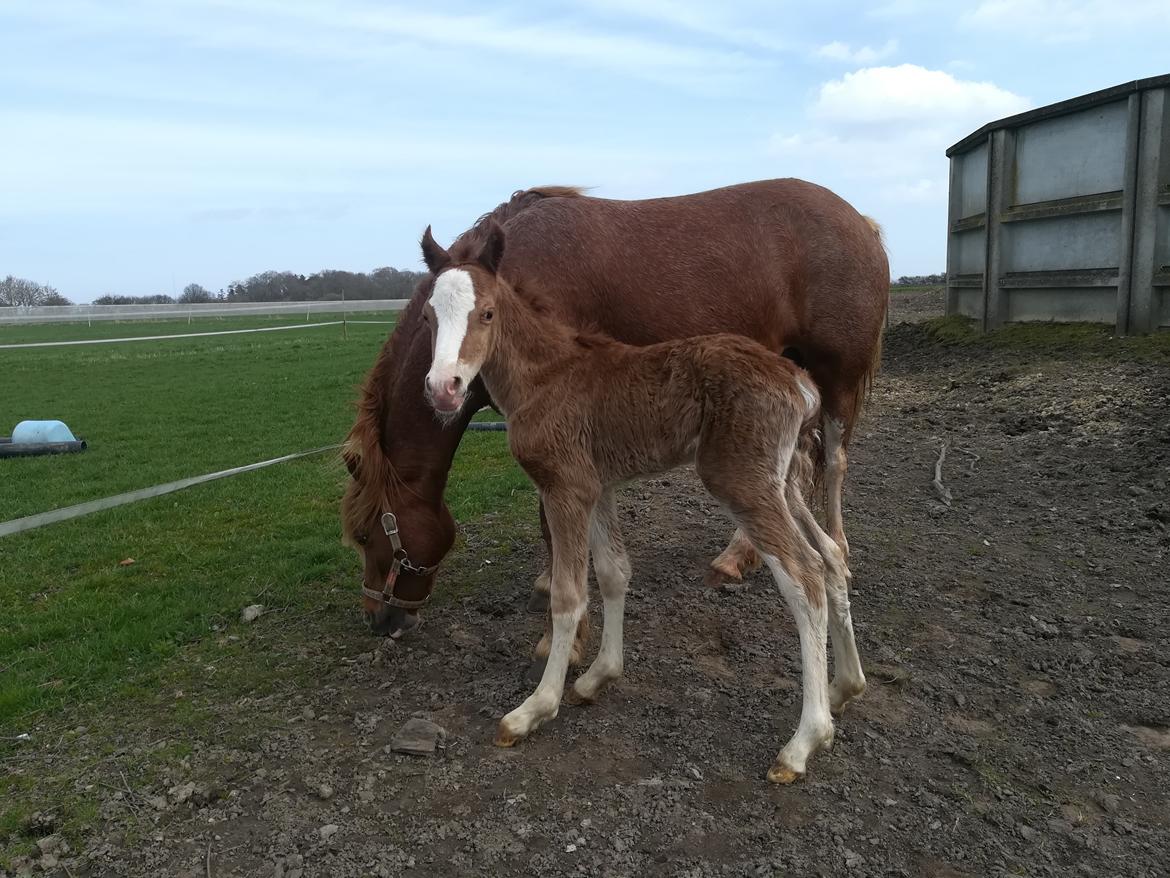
(1063, 213)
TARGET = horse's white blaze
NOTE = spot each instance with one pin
(453, 300)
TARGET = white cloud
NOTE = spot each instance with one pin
(1067, 20)
(909, 94)
(888, 128)
(838, 51)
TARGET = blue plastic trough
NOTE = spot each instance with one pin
(32, 438)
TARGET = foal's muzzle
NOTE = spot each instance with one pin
(446, 395)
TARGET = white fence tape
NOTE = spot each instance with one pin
(83, 313)
(29, 522)
(55, 344)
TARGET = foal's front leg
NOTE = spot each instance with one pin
(569, 523)
(612, 567)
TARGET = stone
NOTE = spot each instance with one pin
(51, 844)
(252, 613)
(328, 831)
(182, 792)
(417, 737)
(1108, 802)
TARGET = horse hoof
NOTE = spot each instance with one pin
(538, 602)
(505, 738)
(576, 699)
(782, 774)
(720, 576)
(534, 673)
(839, 699)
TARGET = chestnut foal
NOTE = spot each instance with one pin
(585, 413)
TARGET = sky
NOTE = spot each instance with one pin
(148, 145)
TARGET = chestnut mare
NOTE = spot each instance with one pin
(586, 413)
(783, 262)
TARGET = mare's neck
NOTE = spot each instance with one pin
(419, 446)
(525, 344)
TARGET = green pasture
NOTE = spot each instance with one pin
(79, 632)
(43, 332)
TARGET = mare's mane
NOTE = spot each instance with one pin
(466, 246)
(364, 451)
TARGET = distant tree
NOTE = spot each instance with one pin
(111, 299)
(921, 280)
(17, 292)
(52, 297)
(326, 285)
(194, 294)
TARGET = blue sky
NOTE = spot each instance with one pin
(147, 145)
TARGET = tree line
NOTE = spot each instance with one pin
(267, 286)
(16, 291)
(920, 280)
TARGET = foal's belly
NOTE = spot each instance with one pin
(641, 463)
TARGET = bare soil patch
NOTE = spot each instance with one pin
(1016, 721)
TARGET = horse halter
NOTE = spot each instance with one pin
(400, 563)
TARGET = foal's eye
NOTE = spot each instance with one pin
(487, 315)
(361, 539)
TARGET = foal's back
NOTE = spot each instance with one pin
(639, 410)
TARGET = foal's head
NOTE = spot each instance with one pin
(461, 314)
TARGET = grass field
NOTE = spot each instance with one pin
(44, 332)
(80, 634)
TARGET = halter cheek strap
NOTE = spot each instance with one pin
(401, 562)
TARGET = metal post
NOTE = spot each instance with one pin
(1128, 207)
(1152, 183)
(1000, 171)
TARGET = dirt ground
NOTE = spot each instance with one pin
(1017, 720)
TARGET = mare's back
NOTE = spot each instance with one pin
(759, 259)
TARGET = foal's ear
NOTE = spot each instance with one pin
(434, 256)
(492, 250)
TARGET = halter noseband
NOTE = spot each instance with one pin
(401, 562)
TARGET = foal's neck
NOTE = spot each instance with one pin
(527, 343)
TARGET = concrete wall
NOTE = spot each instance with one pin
(1063, 213)
(88, 313)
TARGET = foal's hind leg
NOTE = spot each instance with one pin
(739, 558)
(612, 566)
(848, 678)
(799, 574)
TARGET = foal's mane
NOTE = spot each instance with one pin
(375, 480)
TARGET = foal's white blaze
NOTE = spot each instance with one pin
(453, 300)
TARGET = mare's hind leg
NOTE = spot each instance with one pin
(569, 522)
(848, 678)
(538, 600)
(612, 567)
(836, 463)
